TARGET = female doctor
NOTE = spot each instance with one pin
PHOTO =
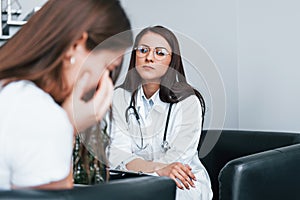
(157, 116)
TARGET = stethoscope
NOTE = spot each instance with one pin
(164, 145)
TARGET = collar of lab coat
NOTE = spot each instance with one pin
(158, 105)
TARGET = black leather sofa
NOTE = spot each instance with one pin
(141, 188)
(243, 165)
(253, 165)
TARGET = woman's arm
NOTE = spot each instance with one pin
(139, 164)
(66, 183)
(176, 171)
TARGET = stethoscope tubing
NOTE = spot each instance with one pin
(165, 145)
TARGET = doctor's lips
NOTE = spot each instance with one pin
(147, 67)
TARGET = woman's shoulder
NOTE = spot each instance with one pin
(30, 100)
(22, 88)
(26, 92)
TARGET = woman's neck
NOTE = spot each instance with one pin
(149, 89)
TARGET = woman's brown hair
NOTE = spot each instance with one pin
(37, 50)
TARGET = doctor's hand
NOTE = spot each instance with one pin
(84, 114)
(180, 173)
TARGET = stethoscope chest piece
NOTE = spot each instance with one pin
(165, 146)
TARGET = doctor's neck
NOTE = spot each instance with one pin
(150, 88)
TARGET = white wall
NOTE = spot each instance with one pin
(27, 6)
(254, 45)
(269, 65)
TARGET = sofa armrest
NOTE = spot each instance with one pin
(272, 174)
(146, 188)
(143, 188)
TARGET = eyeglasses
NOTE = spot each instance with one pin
(159, 53)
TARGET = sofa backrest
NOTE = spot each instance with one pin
(143, 188)
(233, 144)
(272, 174)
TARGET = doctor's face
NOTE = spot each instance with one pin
(153, 56)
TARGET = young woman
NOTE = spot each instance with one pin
(65, 50)
(157, 116)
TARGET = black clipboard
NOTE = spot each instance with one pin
(115, 174)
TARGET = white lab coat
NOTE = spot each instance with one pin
(183, 135)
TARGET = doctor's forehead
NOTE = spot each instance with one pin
(154, 40)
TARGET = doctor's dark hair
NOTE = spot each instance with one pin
(37, 50)
(173, 86)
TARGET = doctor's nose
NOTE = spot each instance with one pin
(150, 56)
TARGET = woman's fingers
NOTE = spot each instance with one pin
(190, 173)
(179, 176)
(103, 96)
(85, 113)
(186, 176)
(176, 182)
(72, 103)
(80, 86)
(179, 173)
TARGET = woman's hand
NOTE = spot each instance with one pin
(84, 114)
(181, 174)
(178, 171)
